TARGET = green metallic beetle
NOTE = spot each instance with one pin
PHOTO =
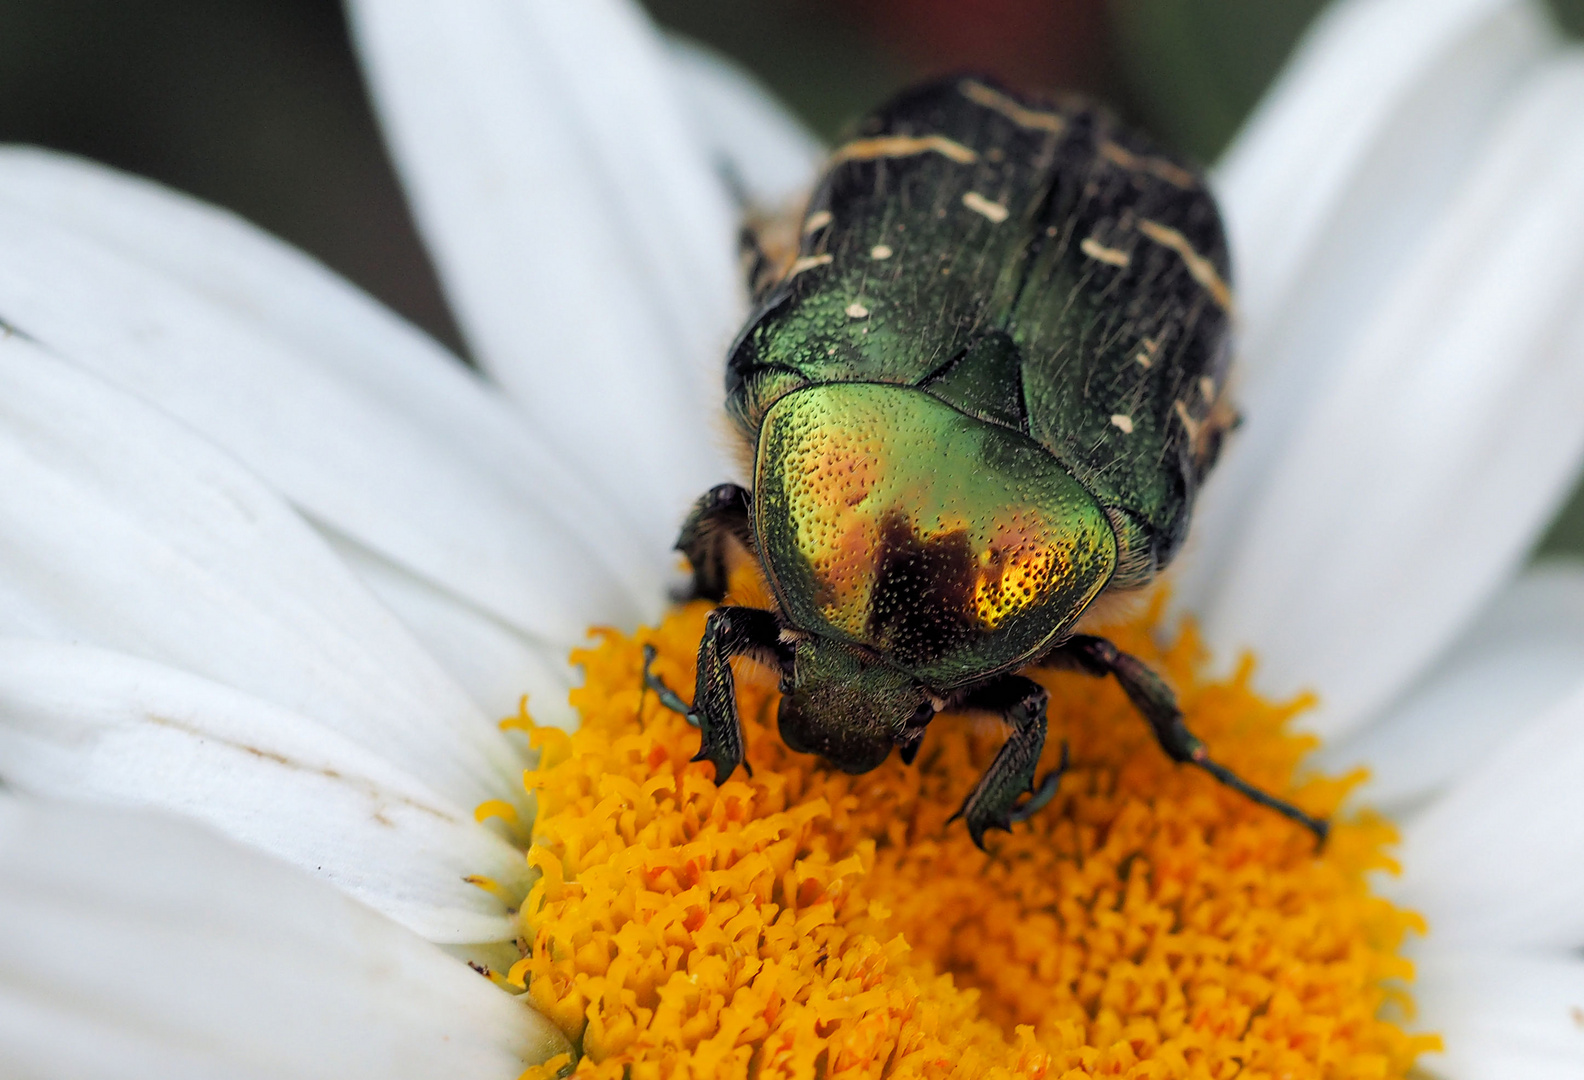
(980, 397)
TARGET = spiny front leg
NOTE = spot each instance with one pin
(728, 632)
(1153, 698)
(719, 520)
(993, 802)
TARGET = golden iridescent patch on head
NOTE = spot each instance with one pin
(803, 922)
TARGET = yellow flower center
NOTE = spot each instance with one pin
(801, 922)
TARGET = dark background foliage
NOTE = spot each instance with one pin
(258, 105)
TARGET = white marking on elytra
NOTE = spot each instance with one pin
(1207, 387)
(881, 251)
(889, 146)
(994, 211)
(855, 310)
(1200, 268)
(1160, 168)
(1022, 115)
(1146, 354)
(1122, 423)
(808, 262)
(817, 221)
(1100, 253)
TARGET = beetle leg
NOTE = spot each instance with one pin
(993, 802)
(1152, 697)
(728, 632)
(768, 244)
(718, 519)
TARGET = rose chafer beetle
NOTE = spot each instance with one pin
(980, 397)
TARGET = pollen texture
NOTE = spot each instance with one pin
(800, 922)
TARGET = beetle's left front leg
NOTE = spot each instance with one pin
(993, 802)
(728, 632)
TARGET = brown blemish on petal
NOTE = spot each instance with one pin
(365, 787)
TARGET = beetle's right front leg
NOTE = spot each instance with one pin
(728, 632)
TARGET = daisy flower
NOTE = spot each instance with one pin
(274, 562)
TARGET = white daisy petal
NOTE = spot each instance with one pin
(1329, 193)
(1502, 1015)
(1494, 860)
(359, 419)
(1447, 438)
(80, 722)
(582, 235)
(121, 528)
(767, 150)
(495, 664)
(1520, 656)
(135, 946)
(1326, 143)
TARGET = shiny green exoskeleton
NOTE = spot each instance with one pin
(981, 395)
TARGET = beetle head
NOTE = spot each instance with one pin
(847, 707)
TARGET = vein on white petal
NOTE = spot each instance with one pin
(1450, 433)
(583, 237)
(83, 723)
(136, 945)
(122, 528)
(767, 150)
(1517, 658)
(1495, 859)
(495, 664)
(352, 414)
(1342, 176)
(1501, 1014)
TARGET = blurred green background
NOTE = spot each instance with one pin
(258, 105)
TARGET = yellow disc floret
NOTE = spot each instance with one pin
(806, 923)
